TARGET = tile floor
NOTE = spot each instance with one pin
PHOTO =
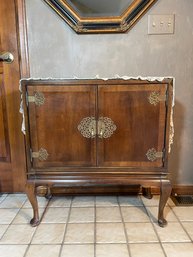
(124, 226)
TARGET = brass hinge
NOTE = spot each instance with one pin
(42, 154)
(38, 98)
(153, 155)
(155, 97)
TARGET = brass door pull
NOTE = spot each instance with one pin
(87, 127)
(103, 128)
(6, 57)
(106, 127)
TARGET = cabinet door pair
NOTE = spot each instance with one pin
(97, 125)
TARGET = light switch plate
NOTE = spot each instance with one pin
(161, 24)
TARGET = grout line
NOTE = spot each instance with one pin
(65, 231)
(182, 224)
(45, 208)
(30, 241)
(125, 230)
(3, 199)
(95, 236)
(11, 223)
(153, 225)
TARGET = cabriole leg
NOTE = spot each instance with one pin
(165, 192)
(30, 191)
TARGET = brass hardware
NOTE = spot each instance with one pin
(154, 98)
(153, 155)
(38, 98)
(87, 127)
(6, 57)
(42, 154)
(105, 127)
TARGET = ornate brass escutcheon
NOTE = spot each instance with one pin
(155, 97)
(105, 127)
(87, 127)
(38, 98)
(42, 154)
(153, 155)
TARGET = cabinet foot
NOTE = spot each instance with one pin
(34, 222)
(146, 192)
(165, 192)
(48, 195)
(30, 191)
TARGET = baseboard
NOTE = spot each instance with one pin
(176, 190)
(182, 189)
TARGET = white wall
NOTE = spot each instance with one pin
(56, 51)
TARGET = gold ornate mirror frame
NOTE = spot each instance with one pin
(104, 23)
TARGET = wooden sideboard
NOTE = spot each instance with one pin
(97, 132)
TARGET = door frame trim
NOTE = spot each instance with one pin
(22, 38)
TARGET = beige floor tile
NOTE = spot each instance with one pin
(12, 250)
(111, 250)
(17, 195)
(79, 215)
(173, 232)
(106, 201)
(43, 250)
(151, 202)
(189, 228)
(49, 234)
(111, 214)
(168, 214)
(184, 213)
(42, 202)
(140, 233)
(60, 201)
(13, 201)
(83, 201)
(146, 250)
(25, 215)
(179, 249)
(78, 250)
(2, 197)
(80, 233)
(55, 215)
(18, 234)
(7, 215)
(110, 233)
(134, 214)
(130, 201)
(3, 229)
(170, 202)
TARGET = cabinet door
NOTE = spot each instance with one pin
(139, 113)
(53, 125)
